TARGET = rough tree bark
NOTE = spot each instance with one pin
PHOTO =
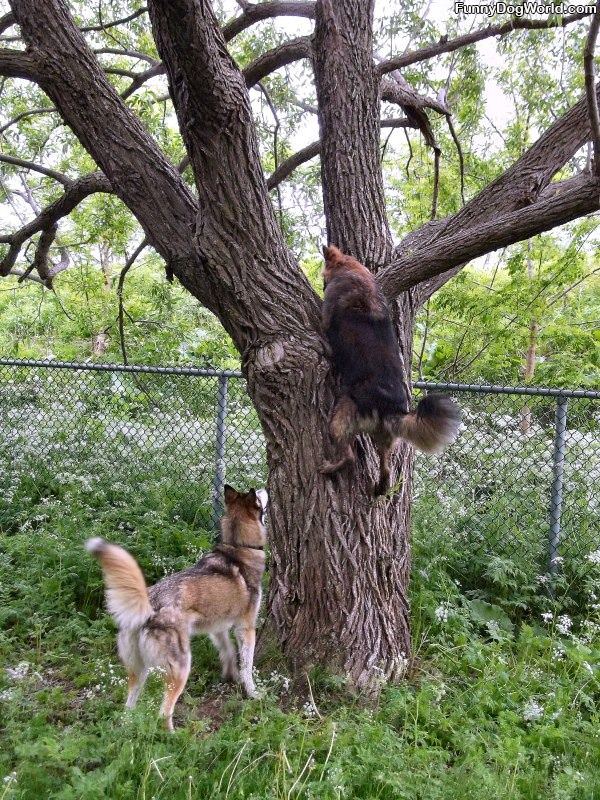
(340, 560)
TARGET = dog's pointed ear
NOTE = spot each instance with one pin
(230, 493)
(252, 495)
(332, 254)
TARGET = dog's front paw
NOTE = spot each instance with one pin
(328, 468)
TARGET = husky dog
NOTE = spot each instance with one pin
(373, 397)
(222, 591)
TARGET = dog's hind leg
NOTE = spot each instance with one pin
(343, 427)
(129, 653)
(135, 682)
(384, 442)
(175, 681)
(224, 645)
(246, 637)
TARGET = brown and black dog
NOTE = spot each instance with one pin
(222, 591)
(366, 358)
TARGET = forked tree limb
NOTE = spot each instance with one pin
(136, 168)
(278, 57)
(256, 12)
(73, 195)
(518, 187)
(590, 86)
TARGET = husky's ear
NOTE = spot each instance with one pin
(230, 493)
(252, 495)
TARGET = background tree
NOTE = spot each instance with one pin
(340, 560)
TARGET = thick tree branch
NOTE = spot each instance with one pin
(42, 251)
(257, 12)
(274, 59)
(449, 45)
(560, 203)
(590, 86)
(215, 118)
(141, 78)
(17, 64)
(7, 21)
(285, 169)
(348, 95)
(50, 173)
(264, 65)
(22, 275)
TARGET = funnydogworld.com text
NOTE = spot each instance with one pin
(521, 10)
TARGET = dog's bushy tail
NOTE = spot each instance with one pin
(126, 591)
(433, 425)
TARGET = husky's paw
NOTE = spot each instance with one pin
(230, 675)
(251, 692)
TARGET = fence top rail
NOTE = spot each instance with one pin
(90, 366)
(479, 388)
(474, 388)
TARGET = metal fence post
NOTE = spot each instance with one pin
(219, 478)
(556, 492)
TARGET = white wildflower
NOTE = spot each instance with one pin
(402, 663)
(442, 612)
(309, 710)
(563, 625)
(19, 672)
(532, 711)
(594, 556)
(547, 616)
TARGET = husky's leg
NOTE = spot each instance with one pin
(246, 637)
(175, 681)
(135, 683)
(224, 645)
(129, 653)
(343, 427)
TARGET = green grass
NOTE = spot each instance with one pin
(500, 704)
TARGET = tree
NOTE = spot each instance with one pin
(340, 560)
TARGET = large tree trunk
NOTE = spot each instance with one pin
(340, 558)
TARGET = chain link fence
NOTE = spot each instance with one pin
(522, 477)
